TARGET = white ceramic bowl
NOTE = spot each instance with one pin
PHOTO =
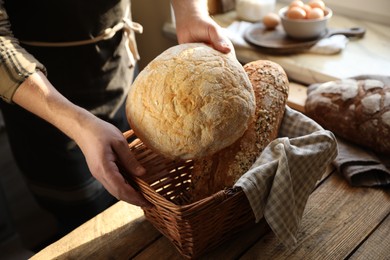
(304, 28)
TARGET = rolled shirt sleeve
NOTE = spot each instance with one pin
(16, 64)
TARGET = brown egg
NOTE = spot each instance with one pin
(307, 8)
(296, 12)
(317, 3)
(298, 3)
(315, 13)
(271, 20)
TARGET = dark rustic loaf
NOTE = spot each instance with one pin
(357, 109)
(224, 168)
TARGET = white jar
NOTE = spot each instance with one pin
(254, 10)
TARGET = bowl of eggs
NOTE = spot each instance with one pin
(305, 20)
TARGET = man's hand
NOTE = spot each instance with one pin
(107, 153)
(193, 24)
(102, 144)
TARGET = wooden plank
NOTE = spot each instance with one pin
(119, 232)
(336, 220)
(377, 246)
(161, 249)
(234, 248)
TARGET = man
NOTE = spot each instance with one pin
(65, 70)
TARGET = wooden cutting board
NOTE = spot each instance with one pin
(277, 42)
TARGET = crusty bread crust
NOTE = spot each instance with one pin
(191, 101)
(357, 109)
(224, 168)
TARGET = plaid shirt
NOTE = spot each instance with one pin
(16, 64)
(282, 178)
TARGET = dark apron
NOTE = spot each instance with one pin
(94, 76)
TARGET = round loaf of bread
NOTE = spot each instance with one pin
(357, 109)
(190, 102)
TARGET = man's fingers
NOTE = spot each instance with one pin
(128, 161)
(222, 45)
(114, 173)
(219, 40)
(126, 192)
(137, 199)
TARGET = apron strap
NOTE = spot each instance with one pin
(125, 24)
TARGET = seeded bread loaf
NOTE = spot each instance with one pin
(357, 109)
(224, 168)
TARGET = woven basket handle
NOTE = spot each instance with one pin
(137, 183)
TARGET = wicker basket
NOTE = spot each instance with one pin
(194, 228)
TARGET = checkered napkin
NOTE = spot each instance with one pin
(282, 178)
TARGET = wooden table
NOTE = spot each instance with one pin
(339, 221)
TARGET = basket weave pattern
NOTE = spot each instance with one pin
(193, 227)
